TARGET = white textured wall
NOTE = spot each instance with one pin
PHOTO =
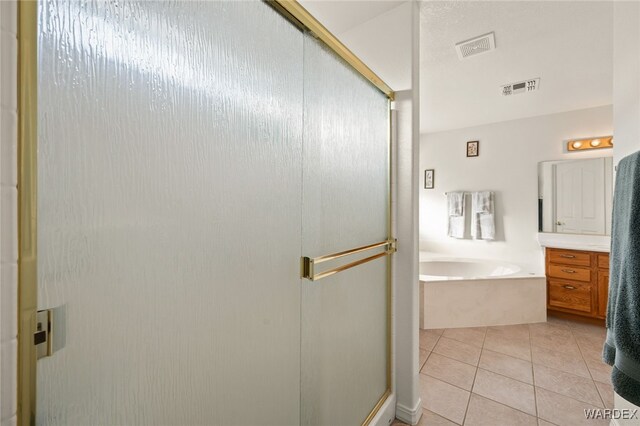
(406, 294)
(8, 213)
(509, 155)
(626, 80)
(384, 44)
(626, 103)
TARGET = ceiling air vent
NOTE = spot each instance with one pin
(475, 46)
(520, 87)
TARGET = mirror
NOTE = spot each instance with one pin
(575, 196)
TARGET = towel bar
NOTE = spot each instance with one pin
(308, 263)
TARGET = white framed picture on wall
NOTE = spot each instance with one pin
(473, 148)
(429, 179)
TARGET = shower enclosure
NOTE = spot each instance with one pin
(205, 217)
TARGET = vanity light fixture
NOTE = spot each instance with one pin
(590, 143)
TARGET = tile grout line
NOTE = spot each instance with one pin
(563, 353)
(502, 375)
(534, 386)
(466, 410)
(486, 369)
(510, 355)
(483, 348)
(571, 330)
(545, 420)
(451, 384)
(573, 335)
(471, 392)
(474, 378)
(529, 384)
(434, 345)
(533, 377)
(505, 405)
(430, 352)
(589, 370)
(466, 363)
(572, 397)
(565, 372)
(512, 338)
(564, 396)
(475, 374)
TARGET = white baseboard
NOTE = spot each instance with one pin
(386, 414)
(409, 415)
(622, 404)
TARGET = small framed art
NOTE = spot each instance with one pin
(429, 176)
(473, 148)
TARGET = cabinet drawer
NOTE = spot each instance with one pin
(572, 273)
(603, 261)
(569, 257)
(576, 296)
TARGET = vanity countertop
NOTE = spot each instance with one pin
(600, 243)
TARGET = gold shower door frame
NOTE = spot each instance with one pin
(27, 188)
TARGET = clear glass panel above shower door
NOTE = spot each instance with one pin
(169, 173)
(345, 206)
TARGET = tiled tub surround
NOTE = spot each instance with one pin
(529, 374)
(480, 293)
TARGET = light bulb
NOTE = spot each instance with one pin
(595, 142)
(576, 144)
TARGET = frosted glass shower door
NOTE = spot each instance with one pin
(345, 205)
(169, 222)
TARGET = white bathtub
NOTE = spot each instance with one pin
(461, 269)
(473, 293)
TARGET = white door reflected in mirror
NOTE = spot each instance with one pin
(575, 196)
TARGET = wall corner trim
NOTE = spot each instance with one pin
(409, 415)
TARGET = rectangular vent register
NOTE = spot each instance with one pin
(475, 46)
(526, 86)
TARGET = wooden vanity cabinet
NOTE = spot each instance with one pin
(577, 282)
(603, 289)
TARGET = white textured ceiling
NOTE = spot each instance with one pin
(343, 15)
(378, 32)
(568, 44)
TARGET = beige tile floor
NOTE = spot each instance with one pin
(530, 374)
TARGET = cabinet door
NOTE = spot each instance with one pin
(603, 292)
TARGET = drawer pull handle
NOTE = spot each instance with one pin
(568, 256)
(569, 271)
(569, 287)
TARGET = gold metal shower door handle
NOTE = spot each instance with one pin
(308, 263)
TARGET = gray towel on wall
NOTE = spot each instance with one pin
(622, 348)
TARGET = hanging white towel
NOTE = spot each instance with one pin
(456, 210)
(454, 203)
(483, 226)
(482, 202)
